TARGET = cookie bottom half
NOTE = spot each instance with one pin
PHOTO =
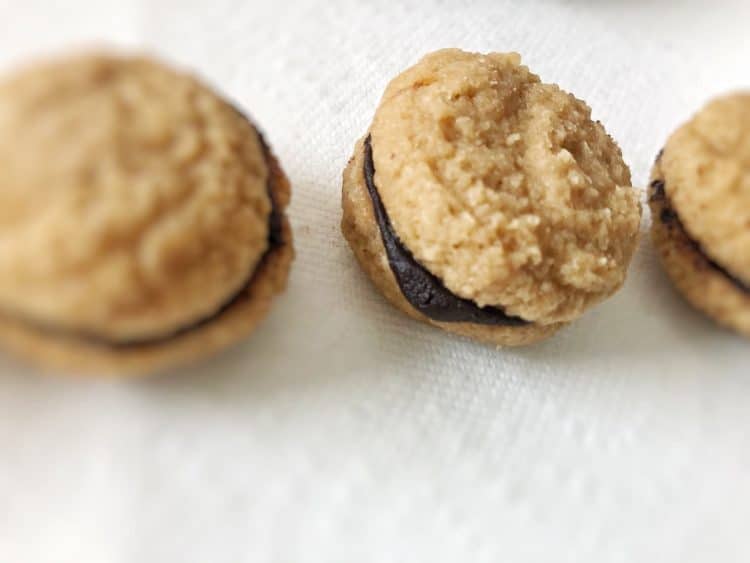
(701, 282)
(360, 227)
(77, 355)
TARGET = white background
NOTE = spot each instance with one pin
(342, 431)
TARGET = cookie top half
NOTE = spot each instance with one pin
(503, 186)
(133, 200)
(706, 172)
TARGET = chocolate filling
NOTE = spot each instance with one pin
(670, 218)
(423, 290)
(275, 240)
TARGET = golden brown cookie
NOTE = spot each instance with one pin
(700, 206)
(142, 217)
(488, 203)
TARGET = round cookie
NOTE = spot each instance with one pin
(142, 218)
(488, 203)
(700, 205)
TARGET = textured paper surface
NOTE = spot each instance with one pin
(342, 431)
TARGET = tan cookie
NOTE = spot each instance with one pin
(700, 204)
(142, 217)
(494, 206)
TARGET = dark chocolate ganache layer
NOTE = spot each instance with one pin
(275, 240)
(669, 217)
(423, 290)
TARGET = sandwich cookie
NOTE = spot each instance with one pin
(142, 217)
(700, 206)
(487, 203)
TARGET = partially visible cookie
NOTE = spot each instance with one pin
(700, 204)
(487, 203)
(142, 218)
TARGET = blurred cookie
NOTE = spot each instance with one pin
(487, 203)
(142, 217)
(700, 204)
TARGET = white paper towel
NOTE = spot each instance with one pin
(342, 431)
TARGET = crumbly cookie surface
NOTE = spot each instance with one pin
(133, 200)
(706, 168)
(702, 283)
(504, 187)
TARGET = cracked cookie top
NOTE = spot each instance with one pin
(133, 200)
